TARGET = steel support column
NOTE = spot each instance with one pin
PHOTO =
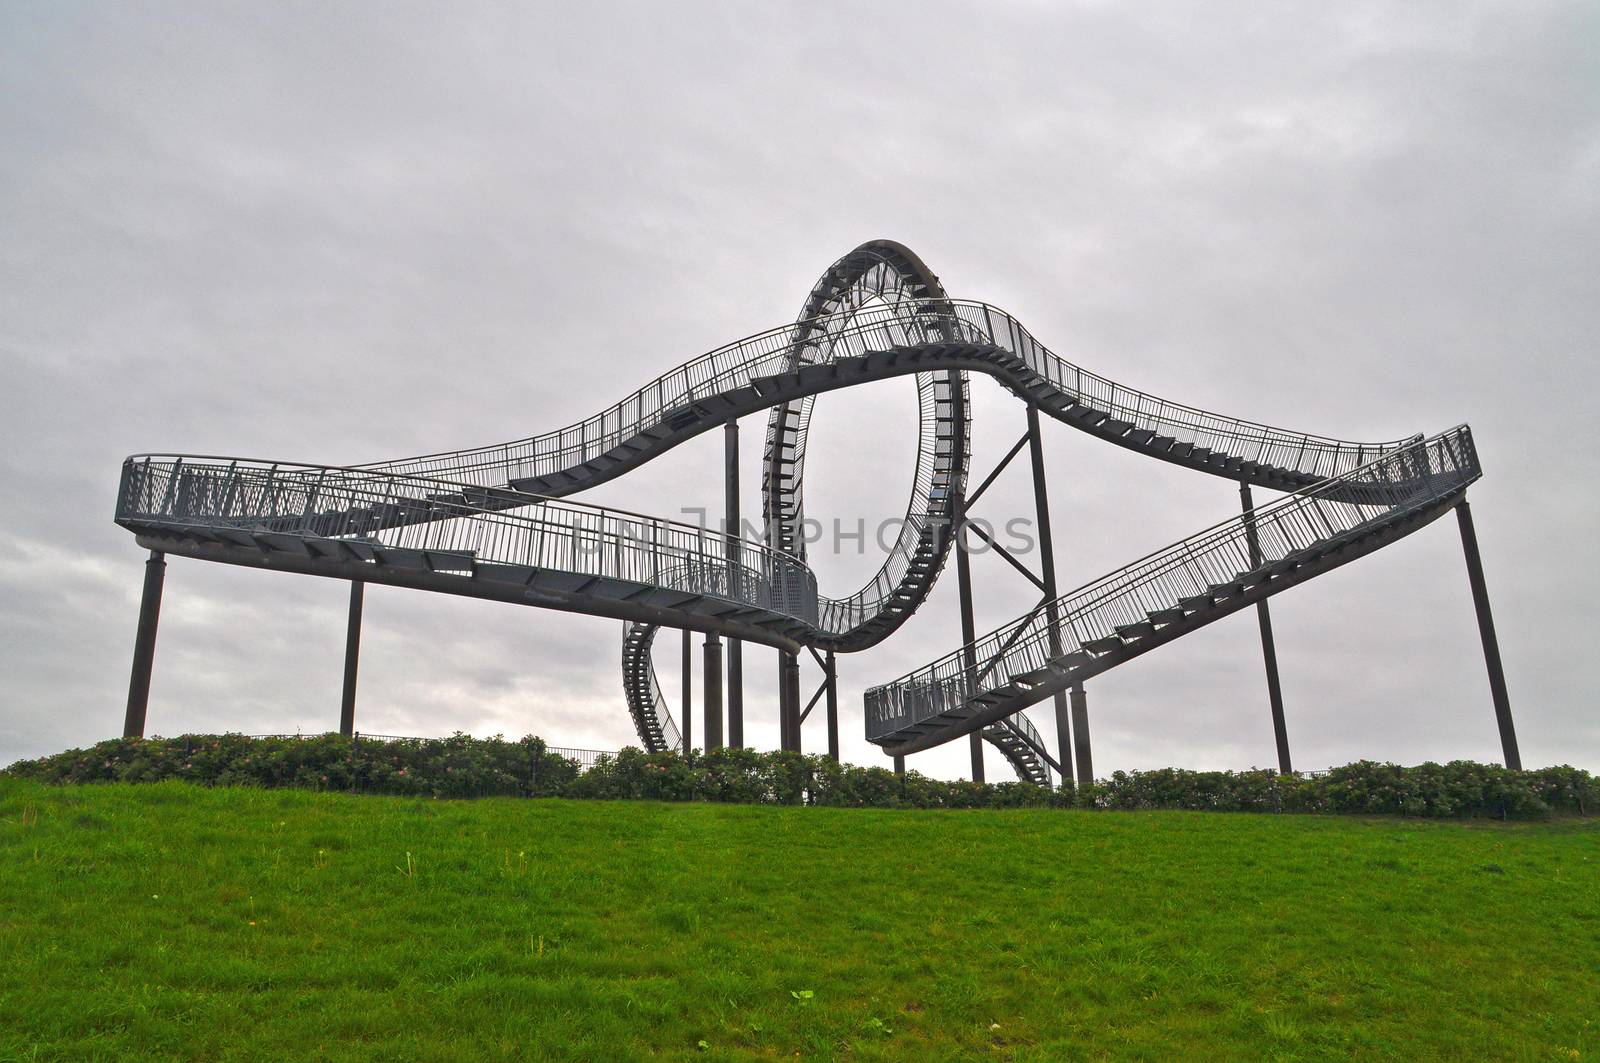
(1491, 644)
(352, 657)
(1080, 734)
(899, 765)
(144, 645)
(789, 700)
(1047, 576)
(713, 693)
(833, 709)
(783, 703)
(969, 635)
(730, 476)
(688, 694)
(1269, 648)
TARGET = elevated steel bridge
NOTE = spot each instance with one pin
(499, 522)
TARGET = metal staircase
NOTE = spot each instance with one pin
(492, 522)
(1172, 592)
(658, 732)
(1023, 747)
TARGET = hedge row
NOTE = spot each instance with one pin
(459, 766)
(462, 766)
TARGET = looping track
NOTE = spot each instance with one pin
(492, 522)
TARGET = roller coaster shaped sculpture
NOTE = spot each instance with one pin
(495, 522)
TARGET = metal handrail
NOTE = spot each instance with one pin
(905, 323)
(908, 322)
(1397, 483)
(1022, 728)
(643, 690)
(350, 504)
(356, 506)
(459, 507)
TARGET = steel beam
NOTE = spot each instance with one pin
(1047, 577)
(1491, 644)
(144, 645)
(730, 477)
(1269, 648)
(1080, 734)
(352, 657)
(713, 693)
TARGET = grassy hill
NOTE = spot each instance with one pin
(173, 922)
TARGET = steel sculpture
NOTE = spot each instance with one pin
(496, 522)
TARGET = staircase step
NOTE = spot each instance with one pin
(1104, 645)
(400, 557)
(1195, 603)
(1165, 616)
(1136, 630)
(451, 560)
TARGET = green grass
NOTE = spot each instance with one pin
(170, 922)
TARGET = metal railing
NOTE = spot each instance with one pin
(931, 489)
(455, 508)
(427, 502)
(646, 700)
(1023, 730)
(904, 323)
(359, 507)
(1302, 524)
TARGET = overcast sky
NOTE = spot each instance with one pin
(340, 233)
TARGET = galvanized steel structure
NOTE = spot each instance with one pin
(497, 522)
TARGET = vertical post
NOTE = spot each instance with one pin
(688, 695)
(352, 656)
(788, 702)
(783, 701)
(899, 765)
(713, 693)
(144, 645)
(1080, 734)
(1047, 576)
(733, 527)
(833, 709)
(1269, 649)
(968, 636)
(1491, 644)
